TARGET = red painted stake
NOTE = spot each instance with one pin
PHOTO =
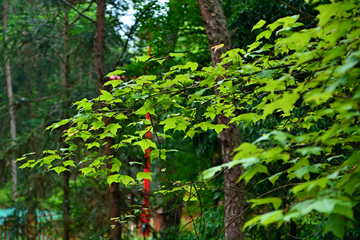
(145, 217)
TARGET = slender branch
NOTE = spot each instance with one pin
(78, 16)
(233, 220)
(80, 13)
(298, 10)
(198, 195)
(131, 32)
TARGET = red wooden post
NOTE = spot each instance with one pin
(145, 217)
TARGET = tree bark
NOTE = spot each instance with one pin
(235, 201)
(11, 102)
(114, 193)
(99, 43)
(65, 84)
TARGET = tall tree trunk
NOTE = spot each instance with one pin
(114, 193)
(65, 84)
(99, 43)
(11, 101)
(230, 138)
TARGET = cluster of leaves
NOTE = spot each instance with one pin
(306, 83)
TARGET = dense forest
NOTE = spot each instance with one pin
(207, 119)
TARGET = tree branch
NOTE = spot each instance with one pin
(131, 32)
(78, 16)
(80, 13)
(298, 10)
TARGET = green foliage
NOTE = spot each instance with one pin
(301, 91)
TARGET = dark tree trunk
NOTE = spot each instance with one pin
(99, 43)
(65, 84)
(11, 102)
(230, 138)
(66, 206)
(114, 193)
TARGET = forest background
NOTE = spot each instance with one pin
(260, 142)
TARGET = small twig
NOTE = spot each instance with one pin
(131, 32)
(78, 16)
(80, 13)
(298, 10)
(222, 230)
(197, 193)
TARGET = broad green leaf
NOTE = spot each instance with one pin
(144, 175)
(59, 169)
(58, 124)
(192, 65)
(69, 163)
(98, 124)
(337, 225)
(176, 54)
(249, 174)
(322, 182)
(126, 180)
(276, 202)
(143, 58)
(209, 173)
(271, 217)
(251, 222)
(115, 165)
(114, 178)
(116, 72)
(86, 170)
(49, 159)
(112, 128)
(145, 144)
(259, 24)
(274, 177)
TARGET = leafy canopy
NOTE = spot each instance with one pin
(302, 91)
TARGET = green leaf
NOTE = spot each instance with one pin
(146, 108)
(87, 170)
(114, 178)
(259, 24)
(258, 168)
(58, 124)
(105, 96)
(126, 180)
(271, 217)
(209, 173)
(192, 65)
(69, 163)
(144, 175)
(112, 128)
(49, 159)
(59, 169)
(145, 144)
(116, 72)
(322, 182)
(176, 54)
(276, 202)
(115, 165)
(309, 150)
(93, 144)
(274, 177)
(121, 116)
(143, 58)
(251, 222)
(98, 124)
(337, 225)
